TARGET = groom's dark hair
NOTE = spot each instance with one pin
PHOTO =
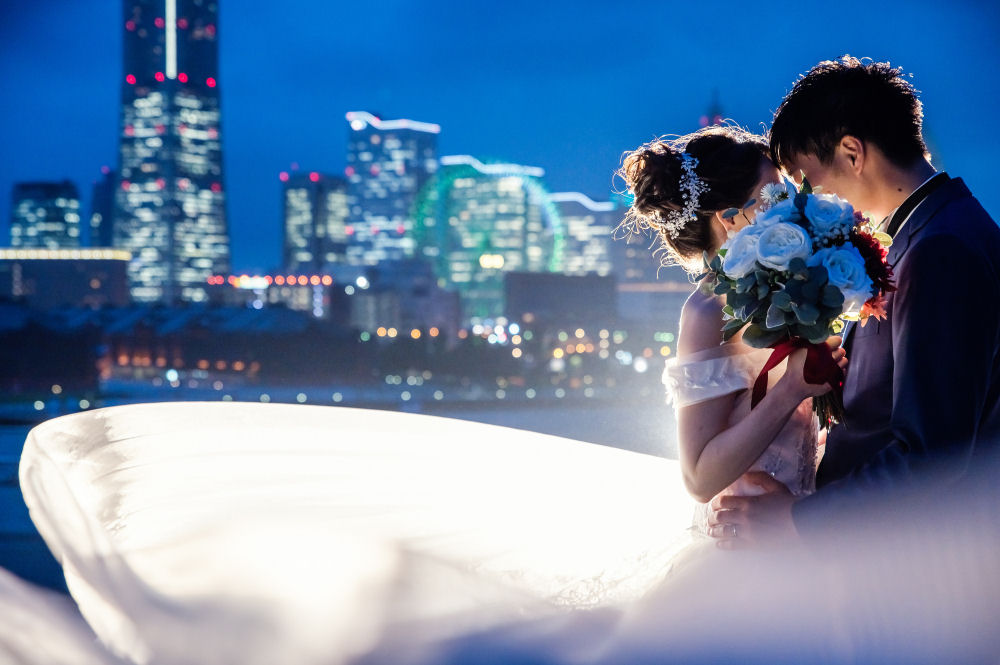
(869, 100)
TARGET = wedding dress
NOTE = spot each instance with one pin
(791, 457)
(276, 533)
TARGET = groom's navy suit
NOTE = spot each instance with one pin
(922, 394)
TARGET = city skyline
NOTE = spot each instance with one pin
(567, 87)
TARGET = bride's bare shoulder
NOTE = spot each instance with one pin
(701, 323)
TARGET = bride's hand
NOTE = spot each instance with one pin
(795, 374)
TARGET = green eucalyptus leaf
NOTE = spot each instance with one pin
(832, 296)
(760, 338)
(728, 310)
(782, 300)
(815, 333)
(775, 317)
(806, 314)
(722, 252)
(806, 187)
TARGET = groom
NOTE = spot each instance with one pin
(922, 395)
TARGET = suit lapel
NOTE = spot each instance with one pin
(922, 214)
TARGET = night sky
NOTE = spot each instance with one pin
(567, 86)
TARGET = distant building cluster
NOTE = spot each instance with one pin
(401, 237)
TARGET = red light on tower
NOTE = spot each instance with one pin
(210, 82)
(283, 176)
(159, 22)
(216, 187)
(349, 171)
(400, 229)
(130, 25)
(182, 77)
(349, 230)
(126, 184)
(314, 176)
(159, 76)
(160, 183)
(105, 170)
(182, 23)
(129, 130)
(210, 30)
(130, 79)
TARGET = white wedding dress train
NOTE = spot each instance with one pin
(248, 533)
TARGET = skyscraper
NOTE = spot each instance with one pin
(45, 215)
(388, 162)
(477, 221)
(315, 221)
(589, 231)
(170, 205)
(102, 209)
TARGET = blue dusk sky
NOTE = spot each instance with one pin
(567, 86)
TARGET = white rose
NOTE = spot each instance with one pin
(829, 214)
(780, 212)
(846, 269)
(781, 242)
(741, 252)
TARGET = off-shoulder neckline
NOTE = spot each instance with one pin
(725, 350)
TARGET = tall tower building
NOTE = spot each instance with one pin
(388, 162)
(170, 204)
(589, 228)
(315, 221)
(477, 221)
(45, 215)
(102, 209)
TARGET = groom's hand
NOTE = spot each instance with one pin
(754, 521)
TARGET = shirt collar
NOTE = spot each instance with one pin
(894, 222)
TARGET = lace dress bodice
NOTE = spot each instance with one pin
(791, 457)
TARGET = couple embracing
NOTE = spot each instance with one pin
(921, 381)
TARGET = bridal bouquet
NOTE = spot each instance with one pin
(806, 264)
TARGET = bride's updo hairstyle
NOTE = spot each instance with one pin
(729, 161)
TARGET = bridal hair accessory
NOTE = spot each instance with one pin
(691, 188)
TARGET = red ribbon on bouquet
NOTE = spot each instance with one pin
(819, 368)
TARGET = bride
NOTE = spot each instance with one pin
(681, 190)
